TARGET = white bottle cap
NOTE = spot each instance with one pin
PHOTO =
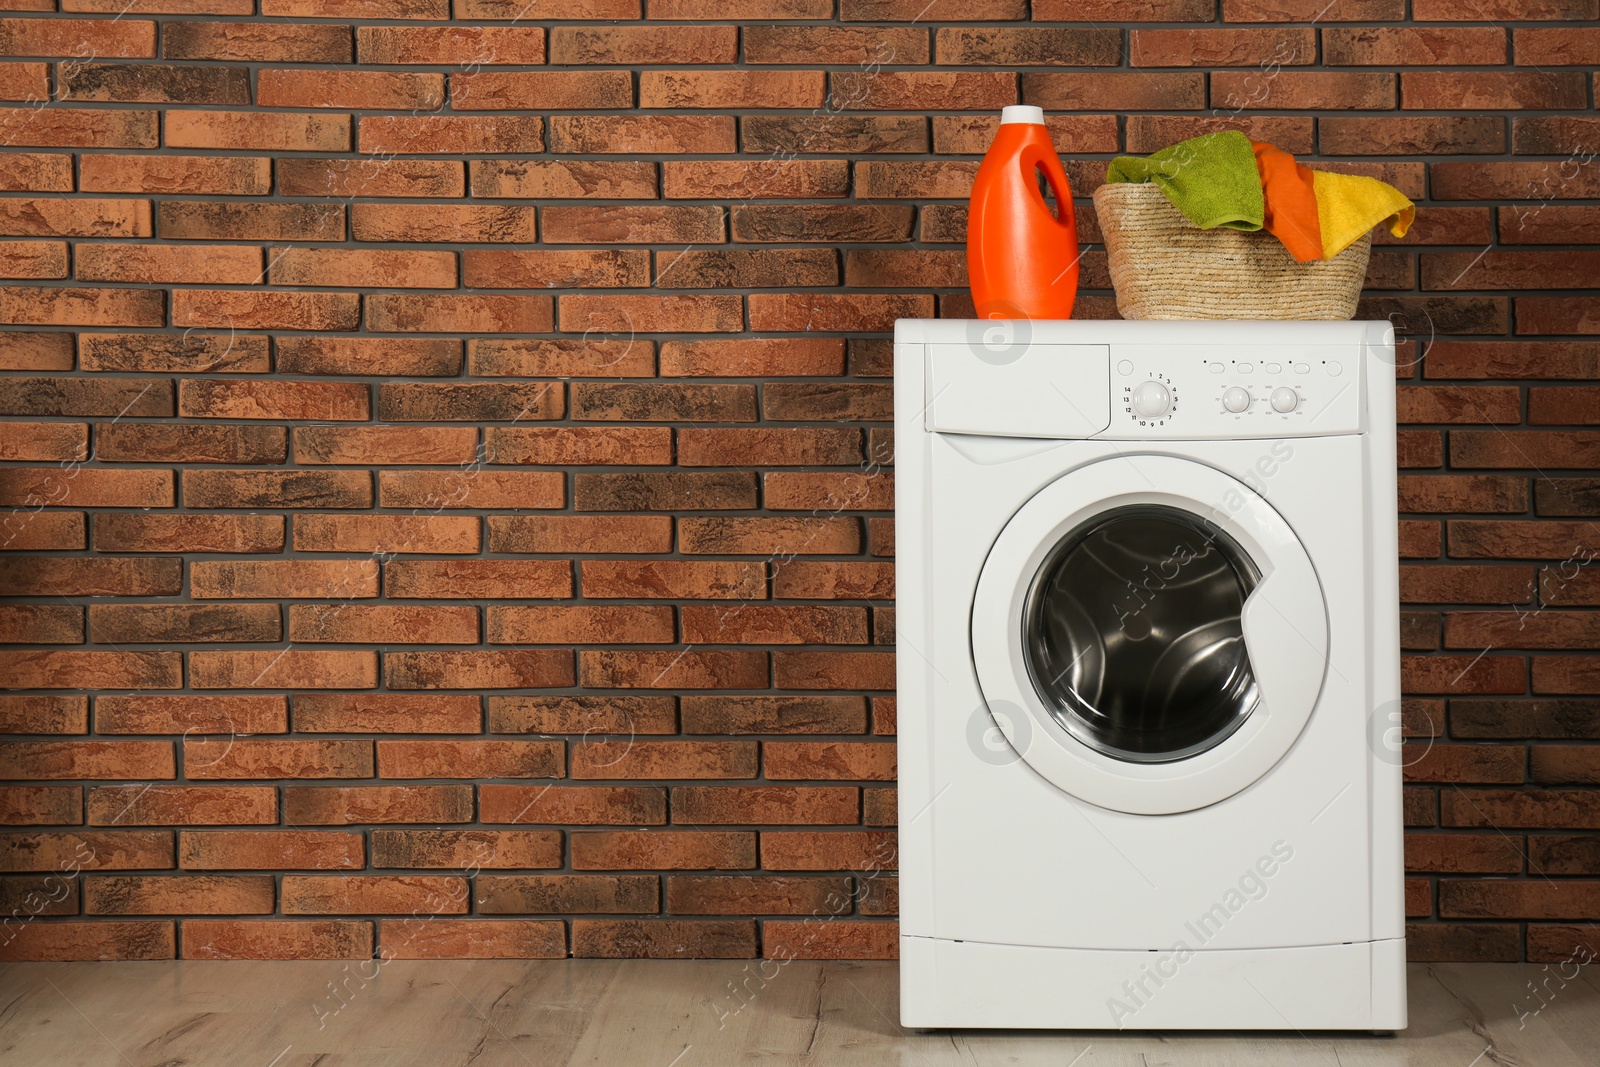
(1022, 113)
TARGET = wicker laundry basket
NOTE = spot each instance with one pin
(1165, 267)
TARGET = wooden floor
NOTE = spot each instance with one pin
(675, 1014)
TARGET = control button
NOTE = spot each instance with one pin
(1151, 399)
(1284, 399)
(1245, 368)
(1335, 369)
(1273, 368)
(1302, 368)
(1215, 368)
(1125, 367)
(1235, 399)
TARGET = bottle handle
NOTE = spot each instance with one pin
(1047, 163)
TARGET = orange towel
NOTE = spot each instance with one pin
(1291, 202)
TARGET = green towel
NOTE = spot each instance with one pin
(1212, 179)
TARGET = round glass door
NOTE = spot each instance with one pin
(1132, 633)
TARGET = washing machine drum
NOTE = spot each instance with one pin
(1149, 634)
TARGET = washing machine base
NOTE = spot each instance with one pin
(971, 984)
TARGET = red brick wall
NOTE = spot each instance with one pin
(447, 460)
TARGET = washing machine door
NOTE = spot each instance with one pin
(1149, 634)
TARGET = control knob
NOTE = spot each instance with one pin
(1151, 400)
(1235, 398)
(1284, 399)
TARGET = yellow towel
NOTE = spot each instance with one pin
(1348, 205)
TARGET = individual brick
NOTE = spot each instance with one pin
(30, 172)
(560, 269)
(258, 42)
(471, 759)
(186, 714)
(735, 894)
(683, 850)
(755, 357)
(459, 313)
(153, 83)
(238, 309)
(283, 669)
(456, 45)
(466, 134)
(258, 131)
(433, 713)
(831, 491)
(747, 268)
(382, 894)
(588, 805)
(89, 670)
(201, 175)
(71, 38)
(1493, 90)
(143, 894)
(44, 441)
(664, 491)
(581, 445)
(366, 90)
(256, 759)
(1100, 91)
(834, 133)
(54, 217)
(699, 669)
(265, 399)
(363, 267)
(541, 90)
(191, 264)
(40, 714)
(181, 805)
(388, 534)
(826, 850)
(524, 669)
(663, 939)
(642, 134)
(443, 223)
(376, 356)
(641, 759)
(579, 533)
(835, 45)
(849, 312)
(359, 804)
(189, 220)
(277, 939)
(478, 579)
(654, 45)
(100, 940)
(382, 624)
(833, 670)
(671, 578)
(67, 576)
(1423, 46)
(774, 714)
(581, 624)
(776, 536)
(41, 805)
(775, 625)
(471, 402)
(773, 223)
(59, 127)
(731, 89)
(472, 939)
(121, 624)
(585, 179)
(587, 715)
(62, 306)
(279, 489)
(825, 940)
(567, 894)
(1350, 135)
(86, 850)
(86, 487)
(765, 804)
(186, 353)
(466, 849)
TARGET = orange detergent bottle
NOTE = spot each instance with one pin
(1022, 258)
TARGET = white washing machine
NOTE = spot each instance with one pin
(1149, 675)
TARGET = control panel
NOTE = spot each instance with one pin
(1199, 391)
